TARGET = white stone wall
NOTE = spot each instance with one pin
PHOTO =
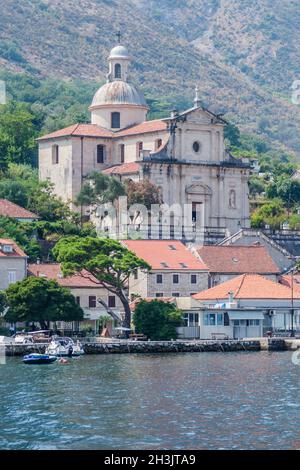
(60, 174)
(10, 264)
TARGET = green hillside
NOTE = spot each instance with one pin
(244, 55)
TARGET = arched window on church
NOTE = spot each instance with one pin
(115, 121)
(100, 153)
(118, 71)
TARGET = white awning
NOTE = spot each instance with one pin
(246, 315)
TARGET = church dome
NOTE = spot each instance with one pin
(118, 93)
(119, 52)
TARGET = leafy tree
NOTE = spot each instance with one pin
(23, 234)
(271, 213)
(2, 302)
(286, 189)
(142, 192)
(232, 133)
(256, 186)
(99, 190)
(17, 132)
(108, 260)
(40, 300)
(157, 320)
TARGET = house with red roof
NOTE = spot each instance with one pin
(14, 211)
(247, 306)
(87, 291)
(183, 154)
(226, 262)
(13, 263)
(175, 270)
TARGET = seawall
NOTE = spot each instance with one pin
(156, 347)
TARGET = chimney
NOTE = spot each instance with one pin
(230, 297)
(38, 261)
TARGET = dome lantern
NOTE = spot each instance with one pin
(118, 104)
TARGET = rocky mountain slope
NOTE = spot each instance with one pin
(244, 55)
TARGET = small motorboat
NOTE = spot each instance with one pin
(39, 359)
(65, 347)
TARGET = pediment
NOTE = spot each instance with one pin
(199, 189)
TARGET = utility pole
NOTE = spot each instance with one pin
(294, 271)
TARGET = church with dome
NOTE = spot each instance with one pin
(183, 154)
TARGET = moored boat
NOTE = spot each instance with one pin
(64, 347)
(39, 359)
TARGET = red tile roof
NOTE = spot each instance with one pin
(17, 251)
(124, 169)
(148, 126)
(247, 286)
(53, 271)
(93, 130)
(9, 209)
(286, 280)
(165, 254)
(238, 259)
(79, 130)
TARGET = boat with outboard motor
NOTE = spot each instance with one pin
(64, 347)
(39, 359)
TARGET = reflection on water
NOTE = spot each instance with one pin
(181, 401)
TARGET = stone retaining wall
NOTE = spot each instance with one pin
(155, 347)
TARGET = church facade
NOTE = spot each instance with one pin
(184, 154)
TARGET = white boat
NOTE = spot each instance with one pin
(64, 347)
(6, 340)
(23, 339)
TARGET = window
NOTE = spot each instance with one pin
(78, 300)
(219, 319)
(159, 294)
(172, 247)
(118, 71)
(136, 274)
(139, 149)
(175, 294)
(193, 319)
(196, 147)
(209, 319)
(115, 121)
(158, 143)
(253, 322)
(55, 154)
(226, 319)
(12, 277)
(159, 279)
(122, 153)
(175, 279)
(7, 249)
(111, 301)
(92, 301)
(100, 153)
(193, 278)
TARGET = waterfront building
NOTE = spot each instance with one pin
(183, 154)
(14, 211)
(13, 263)
(227, 261)
(87, 291)
(247, 306)
(175, 270)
